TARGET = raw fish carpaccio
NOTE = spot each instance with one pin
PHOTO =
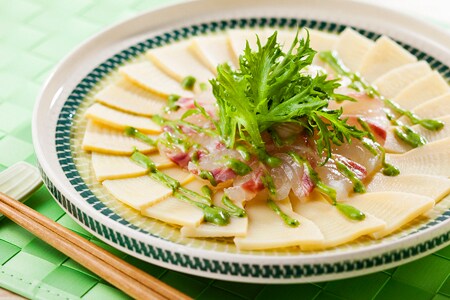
(151, 95)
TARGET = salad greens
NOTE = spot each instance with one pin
(272, 87)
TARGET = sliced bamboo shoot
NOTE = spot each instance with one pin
(107, 140)
(174, 211)
(139, 192)
(434, 108)
(236, 227)
(335, 227)
(120, 120)
(393, 82)
(267, 230)
(178, 62)
(429, 159)
(351, 47)
(115, 166)
(321, 41)
(130, 98)
(150, 77)
(384, 56)
(422, 90)
(212, 51)
(394, 208)
(435, 187)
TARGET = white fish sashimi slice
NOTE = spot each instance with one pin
(267, 230)
(120, 120)
(422, 90)
(178, 62)
(175, 211)
(429, 159)
(435, 187)
(139, 192)
(212, 51)
(434, 108)
(237, 39)
(384, 56)
(111, 141)
(394, 208)
(130, 98)
(351, 47)
(335, 227)
(393, 82)
(116, 166)
(236, 227)
(150, 77)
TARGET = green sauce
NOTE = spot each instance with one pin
(390, 170)
(172, 102)
(208, 176)
(133, 132)
(237, 166)
(212, 214)
(429, 124)
(207, 192)
(267, 181)
(233, 209)
(350, 212)
(409, 136)
(324, 189)
(287, 219)
(188, 82)
(203, 86)
(358, 186)
(243, 151)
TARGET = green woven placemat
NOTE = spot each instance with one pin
(34, 36)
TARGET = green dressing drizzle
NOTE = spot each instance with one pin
(358, 186)
(350, 212)
(237, 166)
(172, 102)
(329, 193)
(207, 192)
(212, 214)
(409, 136)
(233, 209)
(267, 181)
(287, 219)
(243, 151)
(208, 176)
(188, 82)
(133, 132)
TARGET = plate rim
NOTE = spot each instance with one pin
(59, 187)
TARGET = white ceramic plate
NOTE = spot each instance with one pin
(81, 72)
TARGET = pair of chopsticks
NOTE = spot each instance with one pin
(119, 273)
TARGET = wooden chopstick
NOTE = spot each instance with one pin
(119, 273)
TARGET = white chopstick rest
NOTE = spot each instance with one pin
(20, 181)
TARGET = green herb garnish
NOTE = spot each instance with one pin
(269, 88)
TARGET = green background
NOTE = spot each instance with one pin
(34, 37)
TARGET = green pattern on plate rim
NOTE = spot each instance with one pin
(77, 170)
